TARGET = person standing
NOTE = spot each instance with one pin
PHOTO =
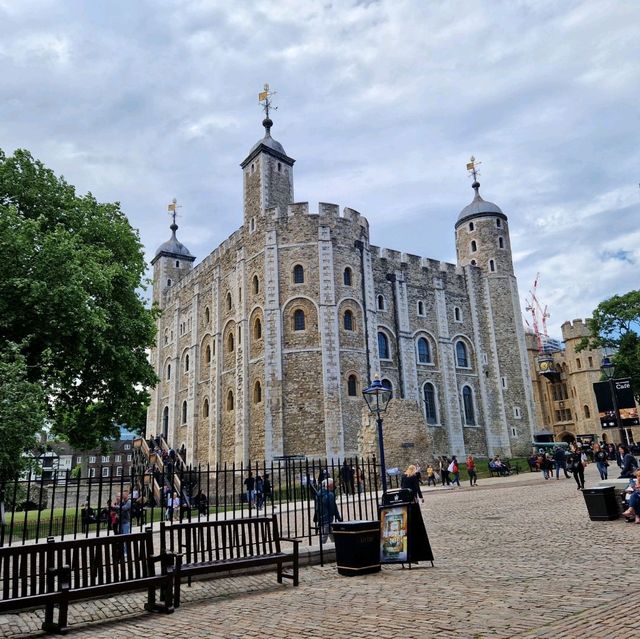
(249, 485)
(577, 468)
(123, 507)
(602, 461)
(259, 492)
(266, 489)
(431, 476)
(326, 510)
(411, 481)
(561, 462)
(471, 470)
(444, 472)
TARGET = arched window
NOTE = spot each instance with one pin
(348, 321)
(257, 393)
(474, 246)
(205, 408)
(298, 320)
(457, 315)
(498, 222)
(347, 276)
(420, 308)
(184, 412)
(298, 274)
(471, 227)
(230, 400)
(169, 282)
(492, 266)
(207, 315)
(166, 335)
(165, 422)
(430, 409)
(501, 242)
(462, 358)
(383, 346)
(207, 356)
(424, 354)
(587, 412)
(257, 329)
(578, 363)
(177, 263)
(352, 386)
(229, 301)
(467, 403)
(168, 371)
(230, 342)
(256, 285)
(380, 303)
(186, 363)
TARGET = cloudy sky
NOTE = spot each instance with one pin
(381, 104)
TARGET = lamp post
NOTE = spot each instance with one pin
(377, 397)
(608, 369)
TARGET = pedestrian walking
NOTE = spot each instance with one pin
(601, 459)
(560, 459)
(259, 492)
(411, 481)
(443, 464)
(471, 471)
(576, 464)
(249, 485)
(87, 517)
(326, 510)
(454, 471)
(431, 476)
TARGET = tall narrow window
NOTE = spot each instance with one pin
(498, 222)
(383, 346)
(347, 276)
(230, 400)
(471, 226)
(424, 356)
(492, 266)
(257, 329)
(208, 354)
(420, 308)
(587, 412)
(501, 242)
(207, 315)
(169, 371)
(230, 342)
(578, 363)
(186, 364)
(256, 285)
(298, 320)
(169, 282)
(462, 359)
(430, 409)
(467, 402)
(380, 303)
(457, 315)
(348, 321)
(205, 408)
(352, 386)
(474, 246)
(184, 412)
(229, 301)
(298, 274)
(257, 393)
(165, 422)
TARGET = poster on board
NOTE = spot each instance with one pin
(394, 538)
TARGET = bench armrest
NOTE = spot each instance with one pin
(291, 540)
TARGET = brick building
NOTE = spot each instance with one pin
(265, 346)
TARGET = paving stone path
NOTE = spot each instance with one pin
(515, 557)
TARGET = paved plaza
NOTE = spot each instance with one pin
(515, 557)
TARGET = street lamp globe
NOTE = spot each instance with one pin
(377, 396)
(608, 368)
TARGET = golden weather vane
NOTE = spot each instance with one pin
(472, 167)
(173, 209)
(264, 97)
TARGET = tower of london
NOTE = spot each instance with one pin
(264, 347)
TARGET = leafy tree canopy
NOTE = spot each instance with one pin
(22, 412)
(73, 270)
(616, 325)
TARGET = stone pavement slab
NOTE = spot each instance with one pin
(513, 559)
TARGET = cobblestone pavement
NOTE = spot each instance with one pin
(515, 557)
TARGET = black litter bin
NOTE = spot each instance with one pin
(601, 503)
(357, 547)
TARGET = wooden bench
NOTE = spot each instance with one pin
(219, 546)
(59, 572)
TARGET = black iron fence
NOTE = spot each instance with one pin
(69, 507)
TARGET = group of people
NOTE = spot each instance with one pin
(257, 490)
(116, 515)
(447, 471)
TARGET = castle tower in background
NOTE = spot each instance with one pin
(265, 346)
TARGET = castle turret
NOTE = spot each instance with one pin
(171, 262)
(268, 173)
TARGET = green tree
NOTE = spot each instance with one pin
(22, 413)
(70, 294)
(616, 325)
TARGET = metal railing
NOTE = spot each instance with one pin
(72, 507)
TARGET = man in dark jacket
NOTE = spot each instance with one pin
(561, 462)
(326, 509)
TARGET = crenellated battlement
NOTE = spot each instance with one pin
(575, 328)
(399, 259)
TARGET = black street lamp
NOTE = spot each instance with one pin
(608, 369)
(377, 397)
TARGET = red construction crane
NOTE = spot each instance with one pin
(535, 308)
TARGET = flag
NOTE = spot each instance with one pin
(171, 207)
(470, 166)
(263, 95)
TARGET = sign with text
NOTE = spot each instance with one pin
(625, 400)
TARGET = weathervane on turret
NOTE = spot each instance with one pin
(472, 167)
(173, 211)
(264, 97)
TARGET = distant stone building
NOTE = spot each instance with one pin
(265, 346)
(565, 403)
